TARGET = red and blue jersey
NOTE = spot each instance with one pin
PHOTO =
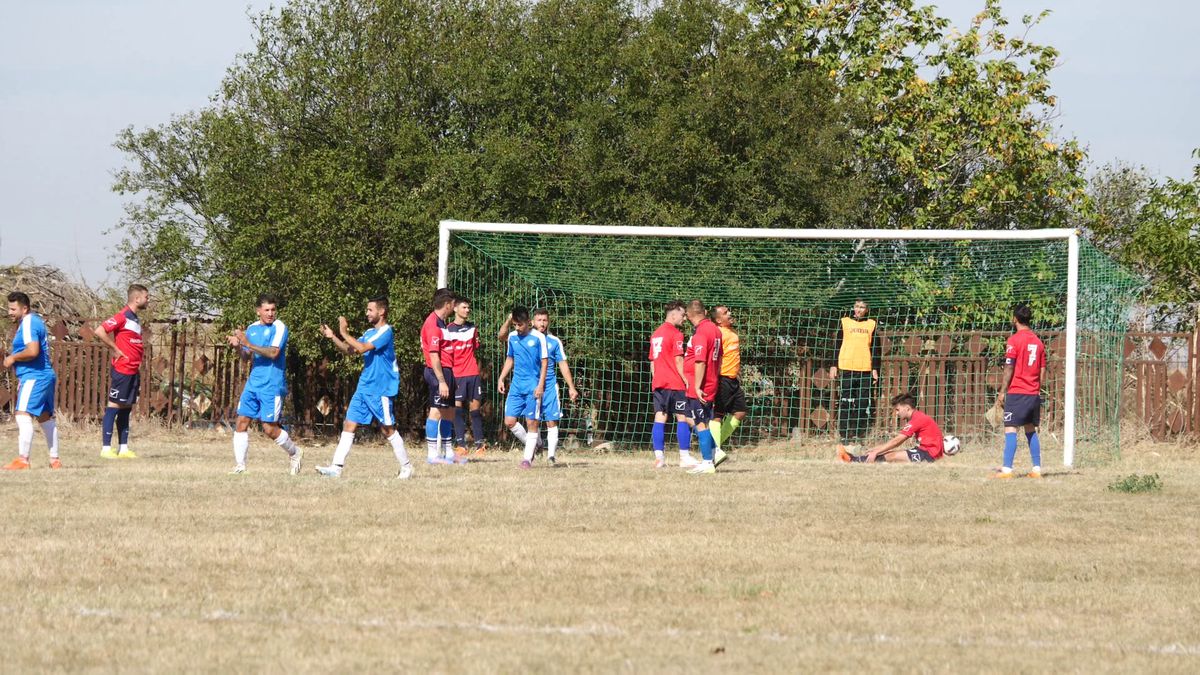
(666, 344)
(1027, 355)
(464, 340)
(704, 346)
(127, 333)
(926, 431)
(433, 341)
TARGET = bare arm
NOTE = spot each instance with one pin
(701, 366)
(29, 353)
(895, 442)
(508, 366)
(504, 327)
(679, 367)
(103, 336)
(354, 345)
(566, 371)
(541, 388)
(1007, 379)
(342, 346)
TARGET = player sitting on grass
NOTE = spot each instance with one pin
(917, 425)
(527, 358)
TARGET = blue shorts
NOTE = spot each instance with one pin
(670, 401)
(35, 395)
(919, 456)
(551, 407)
(468, 388)
(123, 389)
(1022, 409)
(262, 406)
(522, 404)
(699, 413)
(435, 399)
(365, 408)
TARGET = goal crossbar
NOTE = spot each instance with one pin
(447, 227)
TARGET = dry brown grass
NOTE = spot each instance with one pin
(783, 562)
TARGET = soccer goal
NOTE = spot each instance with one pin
(942, 301)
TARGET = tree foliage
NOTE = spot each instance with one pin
(321, 168)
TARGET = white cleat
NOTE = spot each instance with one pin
(330, 471)
(688, 462)
(719, 456)
(238, 470)
(294, 465)
(405, 472)
(703, 468)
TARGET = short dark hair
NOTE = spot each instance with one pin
(696, 307)
(540, 312)
(1023, 315)
(266, 299)
(460, 299)
(714, 309)
(381, 302)
(442, 296)
(520, 315)
(672, 306)
(19, 298)
(135, 288)
(904, 399)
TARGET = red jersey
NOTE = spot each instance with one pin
(464, 340)
(665, 345)
(1027, 355)
(929, 435)
(705, 346)
(433, 340)
(129, 340)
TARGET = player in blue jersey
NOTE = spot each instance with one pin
(378, 383)
(30, 359)
(264, 344)
(527, 358)
(555, 356)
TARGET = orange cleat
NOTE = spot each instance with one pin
(480, 450)
(17, 464)
(55, 463)
(1034, 474)
(843, 455)
(460, 451)
(1002, 475)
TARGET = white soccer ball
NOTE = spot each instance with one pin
(951, 445)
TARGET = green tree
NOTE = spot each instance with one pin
(322, 166)
(958, 130)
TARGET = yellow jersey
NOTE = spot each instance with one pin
(731, 356)
(858, 345)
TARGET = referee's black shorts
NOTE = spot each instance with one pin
(730, 397)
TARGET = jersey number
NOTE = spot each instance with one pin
(655, 347)
(1032, 354)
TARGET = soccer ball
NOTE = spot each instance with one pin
(951, 445)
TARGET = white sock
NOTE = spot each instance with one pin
(551, 441)
(1036, 469)
(658, 454)
(284, 441)
(125, 446)
(24, 435)
(518, 432)
(241, 443)
(343, 448)
(448, 448)
(398, 447)
(50, 429)
(530, 446)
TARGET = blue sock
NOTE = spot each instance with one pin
(659, 436)
(460, 427)
(431, 430)
(123, 425)
(1035, 448)
(706, 445)
(477, 426)
(447, 430)
(110, 420)
(1010, 448)
(684, 433)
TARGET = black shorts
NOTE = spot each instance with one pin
(918, 455)
(699, 413)
(1022, 409)
(435, 399)
(467, 388)
(670, 401)
(124, 388)
(730, 397)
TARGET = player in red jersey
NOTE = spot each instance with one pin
(123, 334)
(917, 425)
(468, 394)
(666, 385)
(702, 370)
(439, 377)
(1024, 364)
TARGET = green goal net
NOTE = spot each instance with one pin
(942, 308)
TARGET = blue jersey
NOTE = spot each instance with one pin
(527, 352)
(32, 329)
(554, 354)
(380, 375)
(268, 376)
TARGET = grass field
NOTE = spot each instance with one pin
(785, 561)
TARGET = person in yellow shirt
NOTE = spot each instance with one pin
(730, 407)
(856, 372)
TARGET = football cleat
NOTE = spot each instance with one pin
(330, 471)
(126, 454)
(844, 455)
(438, 460)
(660, 463)
(405, 472)
(702, 469)
(460, 450)
(1002, 475)
(719, 457)
(553, 460)
(294, 464)
(18, 464)
(526, 464)
(1034, 474)
(238, 470)
(108, 453)
(688, 462)
(55, 463)
(480, 449)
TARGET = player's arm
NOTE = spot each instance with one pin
(541, 388)
(355, 346)
(1006, 380)
(836, 345)
(566, 371)
(701, 366)
(29, 352)
(508, 366)
(342, 346)
(103, 335)
(504, 328)
(876, 357)
(679, 367)
(895, 442)
(268, 351)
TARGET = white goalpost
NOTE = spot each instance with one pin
(451, 228)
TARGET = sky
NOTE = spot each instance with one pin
(73, 73)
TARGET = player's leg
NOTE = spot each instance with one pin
(433, 422)
(551, 413)
(460, 423)
(249, 407)
(448, 416)
(1014, 418)
(272, 427)
(661, 402)
(1035, 450)
(24, 420)
(110, 415)
(701, 414)
(683, 429)
(127, 392)
(476, 398)
(387, 425)
(358, 412)
(531, 413)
